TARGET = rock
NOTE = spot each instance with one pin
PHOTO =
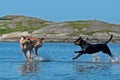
(15, 36)
(12, 21)
(95, 30)
(59, 30)
(13, 25)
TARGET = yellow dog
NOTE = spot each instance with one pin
(28, 44)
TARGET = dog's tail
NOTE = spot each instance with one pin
(109, 40)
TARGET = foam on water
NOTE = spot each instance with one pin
(95, 57)
(35, 58)
(38, 58)
(115, 59)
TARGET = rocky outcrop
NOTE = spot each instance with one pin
(13, 27)
(15, 36)
(62, 37)
(13, 21)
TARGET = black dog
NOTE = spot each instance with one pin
(87, 48)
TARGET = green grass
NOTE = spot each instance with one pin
(92, 32)
(110, 25)
(21, 28)
(78, 25)
(4, 31)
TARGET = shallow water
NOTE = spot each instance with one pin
(58, 64)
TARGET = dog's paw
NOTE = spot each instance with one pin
(75, 51)
(73, 58)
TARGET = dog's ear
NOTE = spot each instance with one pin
(30, 40)
(23, 37)
(80, 37)
(42, 39)
(87, 39)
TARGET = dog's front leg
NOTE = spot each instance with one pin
(30, 54)
(26, 56)
(36, 49)
(78, 55)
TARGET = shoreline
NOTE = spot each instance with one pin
(68, 41)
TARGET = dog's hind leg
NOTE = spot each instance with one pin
(113, 58)
(109, 53)
(106, 50)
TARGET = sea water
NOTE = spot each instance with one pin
(57, 63)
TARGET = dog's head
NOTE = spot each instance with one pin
(78, 41)
(25, 41)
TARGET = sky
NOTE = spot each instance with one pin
(64, 10)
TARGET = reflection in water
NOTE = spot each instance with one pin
(91, 68)
(28, 67)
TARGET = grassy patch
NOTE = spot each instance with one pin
(29, 29)
(106, 30)
(4, 31)
(91, 32)
(21, 28)
(110, 25)
(78, 25)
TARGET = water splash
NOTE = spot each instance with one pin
(95, 57)
(36, 58)
(114, 60)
